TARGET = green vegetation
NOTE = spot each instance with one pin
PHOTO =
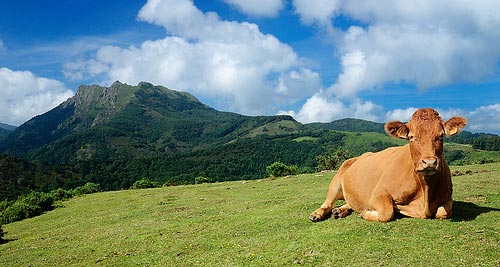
(36, 203)
(144, 183)
(480, 141)
(332, 160)
(279, 169)
(255, 223)
(459, 154)
(202, 180)
(18, 177)
(350, 125)
(3, 134)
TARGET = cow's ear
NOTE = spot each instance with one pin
(397, 129)
(454, 125)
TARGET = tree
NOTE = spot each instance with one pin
(332, 161)
(144, 183)
(202, 180)
(278, 169)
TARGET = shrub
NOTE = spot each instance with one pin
(88, 188)
(332, 161)
(144, 183)
(4, 204)
(279, 169)
(35, 203)
(27, 206)
(1, 235)
(61, 194)
(19, 211)
(202, 180)
(43, 200)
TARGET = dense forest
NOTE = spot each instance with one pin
(481, 141)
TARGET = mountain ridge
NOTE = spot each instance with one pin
(144, 111)
(7, 127)
(350, 125)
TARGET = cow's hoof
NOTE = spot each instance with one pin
(341, 212)
(314, 217)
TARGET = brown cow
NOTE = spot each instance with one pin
(413, 180)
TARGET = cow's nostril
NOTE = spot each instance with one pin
(430, 162)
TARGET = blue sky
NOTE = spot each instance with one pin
(317, 60)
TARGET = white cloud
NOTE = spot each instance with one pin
(484, 119)
(400, 114)
(232, 62)
(24, 95)
(316, 11)
(352, 77)
(422, 43)
(260, 8)
(320, 108)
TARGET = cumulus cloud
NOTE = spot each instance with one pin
(230, 61)
(320, 108)
(260, 8)
(484, 119)
(316, 11)
(400, 114)
(421, 43)
(24, 95)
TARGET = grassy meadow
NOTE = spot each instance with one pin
(255, 223)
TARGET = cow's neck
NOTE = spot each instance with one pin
(427, 184)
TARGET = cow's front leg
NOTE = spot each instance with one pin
(444, 211)
(383, 209)
(334, 193)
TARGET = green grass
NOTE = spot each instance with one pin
(471, 155)
(305, 138)
(255, 223)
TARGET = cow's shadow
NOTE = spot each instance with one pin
(468, 211)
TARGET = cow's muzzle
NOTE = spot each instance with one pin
(428, 166)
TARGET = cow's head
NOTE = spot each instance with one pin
(425, 131)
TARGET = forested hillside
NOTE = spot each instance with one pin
(18, 176)
(350, 125)
(5, 130)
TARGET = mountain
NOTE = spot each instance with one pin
(350, 125)
(118, 134)
(7, 127)
(131, 121)
(5, 130)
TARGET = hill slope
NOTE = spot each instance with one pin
(5, 130)
(255, 223)
(350, 125)
(18, 176)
